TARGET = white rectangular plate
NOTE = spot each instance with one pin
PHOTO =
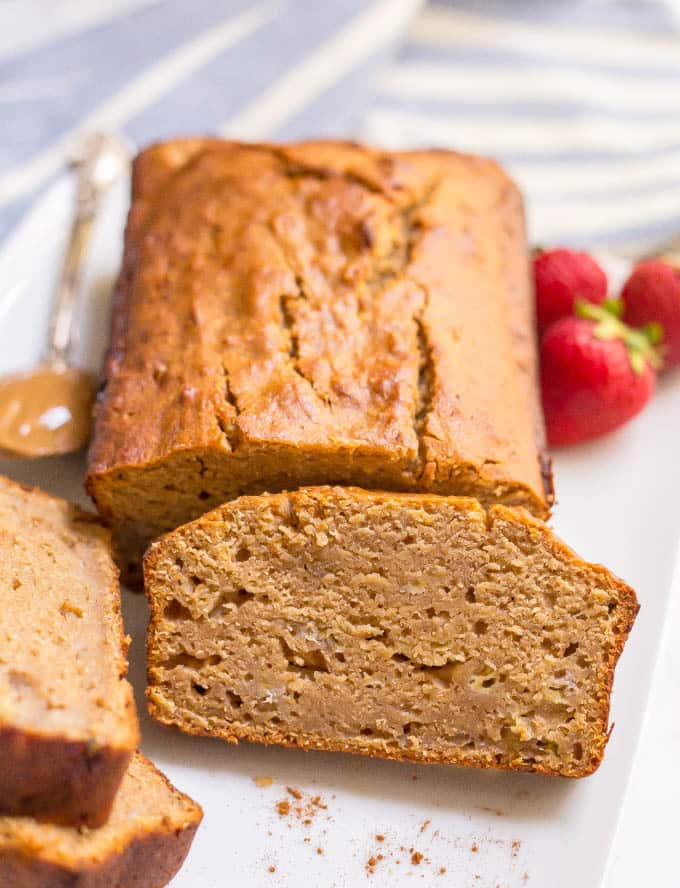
(615, 505)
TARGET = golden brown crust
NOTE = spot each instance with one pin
(313, 313)
(146, 855)
(69, 773)
(56, 779)
(526, 530)
(148, 862)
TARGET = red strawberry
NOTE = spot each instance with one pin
(596, 374)
(651, 295)
(562, 277)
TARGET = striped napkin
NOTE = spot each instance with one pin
(158, 68)
(579, 99)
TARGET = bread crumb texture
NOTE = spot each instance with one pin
(408, 626)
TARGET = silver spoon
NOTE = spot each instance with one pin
(47, 411)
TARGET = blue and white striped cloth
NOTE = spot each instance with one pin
(581, 100)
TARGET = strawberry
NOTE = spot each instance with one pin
(561, 277)
(596, 374)
(651, 295)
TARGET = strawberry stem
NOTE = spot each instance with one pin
(639, 343)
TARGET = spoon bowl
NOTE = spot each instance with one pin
(45, 411)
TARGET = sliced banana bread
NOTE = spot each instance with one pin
(409, 626)
(330, 314)
(143, 844)
(68, 724)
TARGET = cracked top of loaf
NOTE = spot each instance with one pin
(322, 313)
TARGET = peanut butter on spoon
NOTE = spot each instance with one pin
(47, 411)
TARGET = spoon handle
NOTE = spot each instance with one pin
(97, 152)
(60, 335)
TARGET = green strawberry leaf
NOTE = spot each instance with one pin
(639, 343)
(637, 362)
(607, 328)
(654, 332)
(614, 306)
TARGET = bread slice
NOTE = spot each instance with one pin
(143, 844)
(409, 626)
(68, 724)
(332, 314)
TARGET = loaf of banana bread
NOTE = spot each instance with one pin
(68, 725)
(409, 626)
(315, 313)
(143, 844)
